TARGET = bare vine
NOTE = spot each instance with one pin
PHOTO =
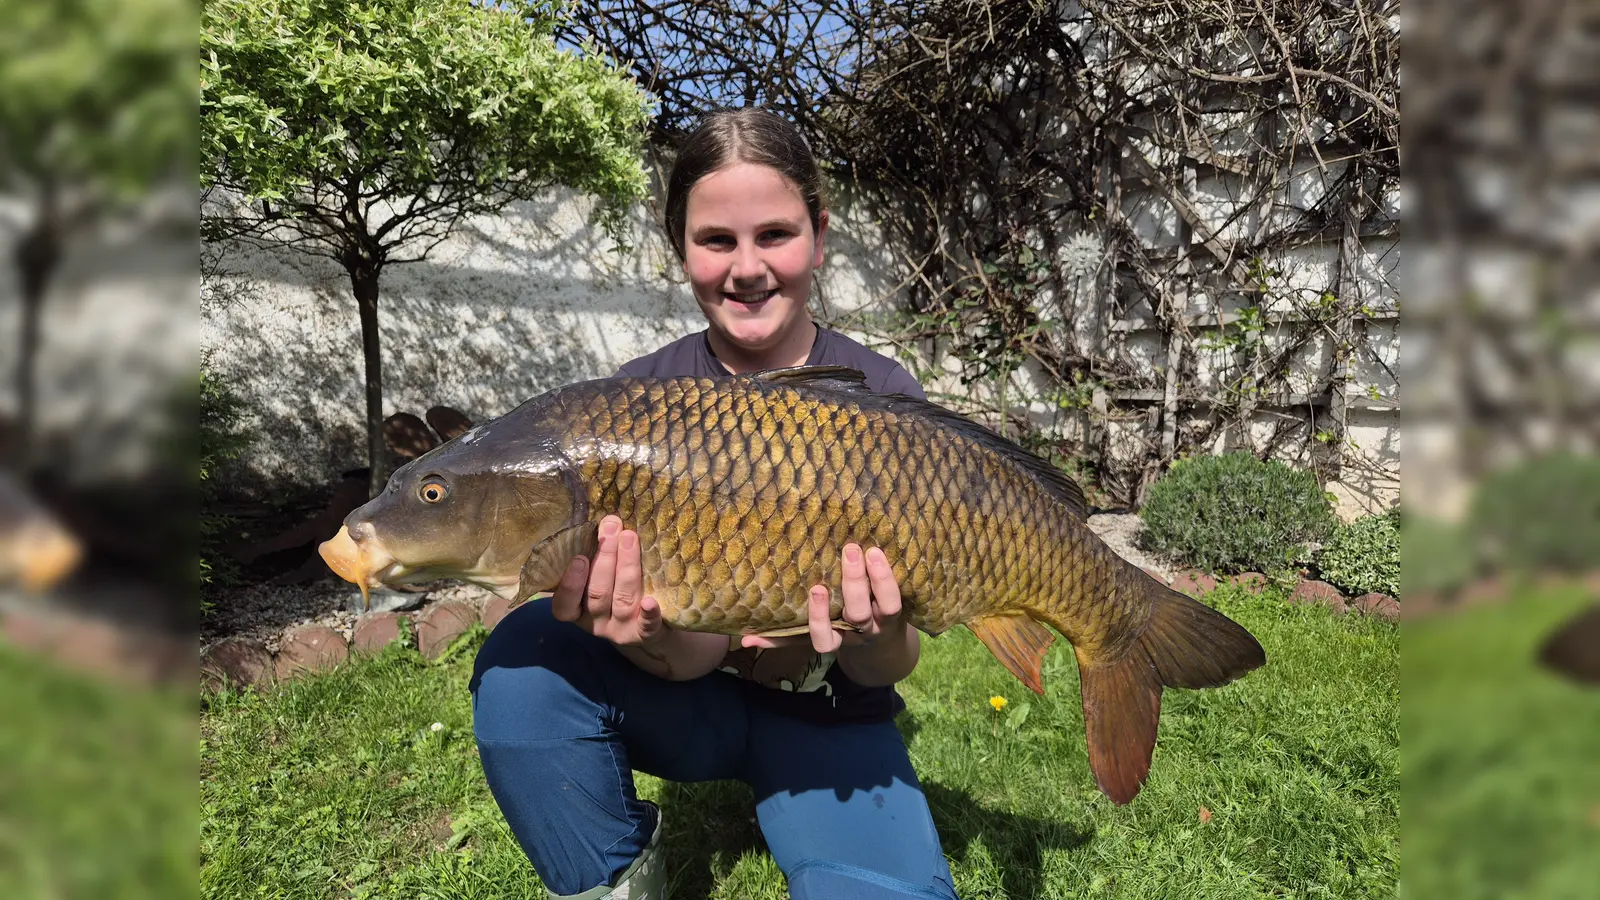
(1002, 144)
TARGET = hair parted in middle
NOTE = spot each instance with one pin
(750, 135)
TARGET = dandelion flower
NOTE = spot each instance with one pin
(998, 703)
(437, 726)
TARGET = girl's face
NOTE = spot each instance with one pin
(749, 251)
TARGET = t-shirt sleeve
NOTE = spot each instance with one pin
(899, 381)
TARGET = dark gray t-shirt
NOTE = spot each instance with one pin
(692, 356)
(795, 681)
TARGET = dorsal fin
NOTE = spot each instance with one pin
(832, 378)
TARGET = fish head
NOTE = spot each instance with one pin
(36, 550)
(469, 510)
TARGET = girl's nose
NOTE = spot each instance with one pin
(747, 264)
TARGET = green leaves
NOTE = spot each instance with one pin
(1236, 513)
(94, 94)
(1364, 556)
(377, 112)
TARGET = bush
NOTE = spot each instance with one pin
(1540, 515)
(1436, 557)
(1363, 557)
(220, 439)
(1235, 513)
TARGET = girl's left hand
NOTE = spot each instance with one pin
(871, 603)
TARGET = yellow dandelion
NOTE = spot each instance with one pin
(998, 703)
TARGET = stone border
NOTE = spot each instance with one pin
(310, 648)
(1196, 583)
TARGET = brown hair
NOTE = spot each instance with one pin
(751, 135)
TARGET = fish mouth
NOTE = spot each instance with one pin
(364, 564)
(368, 565)
(50, 556)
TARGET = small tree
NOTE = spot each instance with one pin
(366, 130)
(95, 109)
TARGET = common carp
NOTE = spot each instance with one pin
(743, 491)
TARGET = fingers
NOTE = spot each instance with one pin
(856, 590)
(885, 589)
(650, 624)
(603, 573)
(566, 603)
(629, 584)
(824, 638)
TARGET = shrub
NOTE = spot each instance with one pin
(1435, 557)
(1363, 557)
(1539, 515)
(220, 439)
(1236, 513)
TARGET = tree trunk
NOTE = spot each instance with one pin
(364, 280)
(37, 256)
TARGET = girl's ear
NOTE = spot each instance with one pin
(822, 232)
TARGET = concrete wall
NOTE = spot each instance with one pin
(118, 337)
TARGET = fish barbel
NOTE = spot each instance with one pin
(743, 491)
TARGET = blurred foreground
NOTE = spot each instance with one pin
(98, 283)
(1501, 734)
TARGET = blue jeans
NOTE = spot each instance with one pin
(562, 720)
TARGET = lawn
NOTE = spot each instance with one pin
(97, 786)
(1284, 784)
(1501, 783)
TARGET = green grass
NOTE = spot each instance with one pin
(1502, 784)
(97, 789)
(336, 787)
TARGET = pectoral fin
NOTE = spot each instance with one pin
(1018, 642)
(548, 562)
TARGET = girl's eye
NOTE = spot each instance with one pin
(776, 234)
(718, 241)
(433, 492)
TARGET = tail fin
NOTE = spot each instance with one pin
(1184, 644)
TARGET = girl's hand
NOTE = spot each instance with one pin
(871, 597)
(607, 599)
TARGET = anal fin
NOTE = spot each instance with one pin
(1018, 642)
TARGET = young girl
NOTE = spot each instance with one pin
(572, 694)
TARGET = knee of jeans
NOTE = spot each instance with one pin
(529, 635)
(817, 879)
(536, 678)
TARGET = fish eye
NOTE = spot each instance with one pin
(433, 491)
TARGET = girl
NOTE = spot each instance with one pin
(571, 694)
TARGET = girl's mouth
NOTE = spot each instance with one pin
(752, 298)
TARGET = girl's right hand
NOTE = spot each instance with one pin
(607, 599)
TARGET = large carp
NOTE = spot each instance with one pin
(744, 490)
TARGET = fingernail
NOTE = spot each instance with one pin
(610, 527)
(875, 555)
(580, 564)
(852, 554)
